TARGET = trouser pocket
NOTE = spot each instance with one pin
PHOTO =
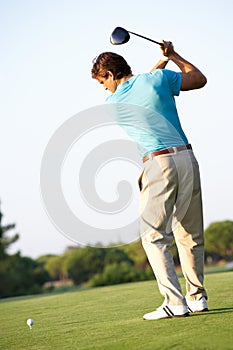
(140, 181)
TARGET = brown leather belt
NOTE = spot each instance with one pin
(165, 151)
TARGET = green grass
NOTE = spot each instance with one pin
(111, 318)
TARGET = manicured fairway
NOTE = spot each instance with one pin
(111, 318)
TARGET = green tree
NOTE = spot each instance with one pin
(83, 263)
(56, 267)
(111, 265)
(219, 238)
(5, 241)
(115, 273)
(116, 255)
(20, 276)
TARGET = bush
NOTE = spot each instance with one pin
(20, 276)
(123, 272)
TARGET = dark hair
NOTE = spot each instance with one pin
(110, 61)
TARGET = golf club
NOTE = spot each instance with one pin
(121, 36)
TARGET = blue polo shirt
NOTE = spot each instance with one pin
(145, 107)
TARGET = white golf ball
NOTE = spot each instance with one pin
(30, 322)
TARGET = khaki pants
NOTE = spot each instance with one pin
(171, 207)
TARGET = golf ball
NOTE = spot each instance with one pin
(30, 322)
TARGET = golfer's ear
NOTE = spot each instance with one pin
(110, 74)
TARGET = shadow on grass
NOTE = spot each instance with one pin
(224, 309)
(66, 323)
(213, 311)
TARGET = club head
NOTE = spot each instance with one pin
(119, 36)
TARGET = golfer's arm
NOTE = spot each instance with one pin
(160, 64)
(192, 77)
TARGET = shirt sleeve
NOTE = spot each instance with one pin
(174, 80)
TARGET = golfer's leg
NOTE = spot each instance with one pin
(188, 229)
(157, 197)
(161, 261)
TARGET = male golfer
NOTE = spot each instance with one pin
(170, 190)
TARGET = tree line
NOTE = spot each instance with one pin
(93, 266)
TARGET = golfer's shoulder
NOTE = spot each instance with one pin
(156, 75)
(162, 72)
(168, 76)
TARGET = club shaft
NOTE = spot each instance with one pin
(144, 37)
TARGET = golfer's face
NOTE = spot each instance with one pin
(109, 83)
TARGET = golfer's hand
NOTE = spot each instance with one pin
(192, 78)
(167, 48)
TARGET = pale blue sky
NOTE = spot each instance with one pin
(47, 49)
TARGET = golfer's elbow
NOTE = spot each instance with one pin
(203, 80)
(193, 80)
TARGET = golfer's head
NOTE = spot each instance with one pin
(109, 67)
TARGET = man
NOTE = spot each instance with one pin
(170, 190)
